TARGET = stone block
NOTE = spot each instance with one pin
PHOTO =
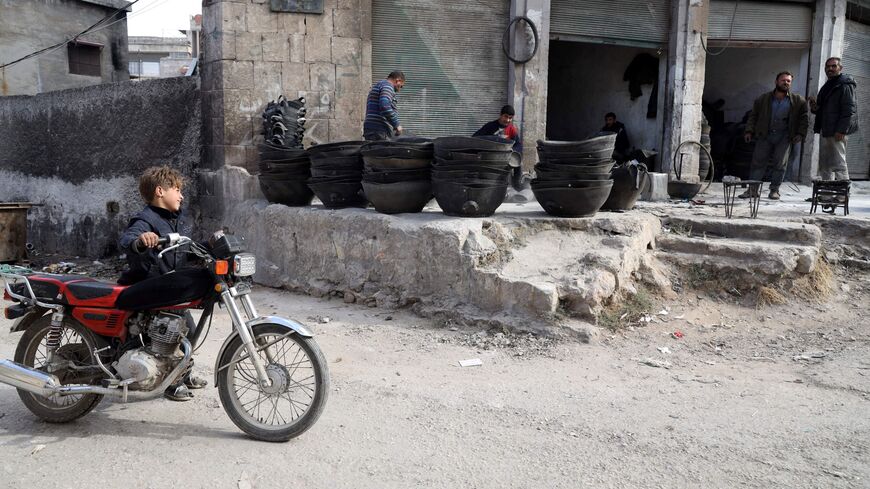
(365, 26)
(318, 48)
(316, 132)
(345, 130)
(346, 23)
(319, 25)
(347, 80)
(226, 42)
(238, 129)
(259, 18)
(211, 18)
(297, 48)
(249, 46)
(276, 47)
(267, 79)
(232, 17)
(235, 155)
(366, 54)
(320, 104)
(238, 74)
(211, 76)
(346, 51)
(240, 102)
(365, 6)
(657, 189)
(213, 131)
(292, 23)
(215, 156)
(350, 107)
(212, 103)
(322, 77)
(295, 77)
(347, 4)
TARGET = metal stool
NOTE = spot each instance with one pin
(831, 194)
(730, 188)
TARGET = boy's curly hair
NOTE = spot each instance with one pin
(158, 176)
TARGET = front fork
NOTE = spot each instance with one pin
(246, 333)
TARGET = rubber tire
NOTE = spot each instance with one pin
(36, 332)
(321, 374)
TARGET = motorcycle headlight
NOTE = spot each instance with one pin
(244, 264)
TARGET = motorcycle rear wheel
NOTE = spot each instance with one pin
(300, 385)
(76, 345)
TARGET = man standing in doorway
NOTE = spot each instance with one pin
(778, 120)
(836, 117)
(620, 150)
(382, 117)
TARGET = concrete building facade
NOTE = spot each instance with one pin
(99, 56)
(158, 57)
(579, 71)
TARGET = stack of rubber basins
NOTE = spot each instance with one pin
(284, 174)
(336, 174)
(470, 175)
(397, 177)
(284, 122)
(573, 177)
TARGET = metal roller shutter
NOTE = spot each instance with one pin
(622, 22)
(450, 52)
(856, 62)
(760, 21)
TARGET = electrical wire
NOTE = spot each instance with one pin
(730, 33)
(93, 28)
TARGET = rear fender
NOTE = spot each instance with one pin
(288, 324)
(26, 320)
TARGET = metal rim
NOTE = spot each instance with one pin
(37, 357)
(294, 383)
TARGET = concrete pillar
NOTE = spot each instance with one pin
(685, 86)
(829, 27)
(527, 83)
(252, 55)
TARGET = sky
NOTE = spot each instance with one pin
(161, 18)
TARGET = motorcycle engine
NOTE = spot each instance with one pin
(150, 364)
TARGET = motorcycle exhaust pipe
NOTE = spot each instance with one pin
(28, 379)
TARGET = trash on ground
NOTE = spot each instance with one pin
(37, 449)
(652, 362)
(664, 350)
(677, 334)
(471, 362)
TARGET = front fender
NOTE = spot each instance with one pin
(26, 320)
(289, 324)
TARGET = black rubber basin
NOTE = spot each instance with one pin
(591, 145)
(331, 172)
(339, 179)
(551, 176)
(338, 162)
(538, 183)
(287, 192)
(399, 197)
(679, 189)
(454, 143)
(470, 154)
(397, 152)
(390, 163)
(628, 183)
(456, 175)
(396, 176)
(338, 195)
(479, 200)
(271, 152)
(469, 164)
(572, 202)
(342, 148)
(568, 157)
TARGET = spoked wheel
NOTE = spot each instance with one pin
(297, 396)
(73, 364)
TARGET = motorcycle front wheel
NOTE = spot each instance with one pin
(297, 396)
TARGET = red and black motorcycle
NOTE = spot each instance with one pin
(85, 339)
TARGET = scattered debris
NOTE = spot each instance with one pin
(652, 362)
(664, 350)
(677, 334)
(472, 362)
(37, 449)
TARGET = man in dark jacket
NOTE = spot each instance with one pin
(778, 120)
(836, 112)
(620, 150)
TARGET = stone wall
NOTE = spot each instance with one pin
(78, 154)
(252, 55)
(27, 26)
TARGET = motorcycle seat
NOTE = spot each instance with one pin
(184, 285)
(89, 289)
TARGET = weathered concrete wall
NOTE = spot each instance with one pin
(586, 83)
(27, 26)
(252, 55)
(78, 153)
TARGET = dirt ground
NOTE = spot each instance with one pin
(774, 397)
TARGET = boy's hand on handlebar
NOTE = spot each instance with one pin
(149, 239)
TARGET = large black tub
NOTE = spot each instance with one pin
(398, 197)
(468, 200)
(572, 202)
(287, 192)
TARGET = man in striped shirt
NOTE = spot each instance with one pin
(382, 118)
